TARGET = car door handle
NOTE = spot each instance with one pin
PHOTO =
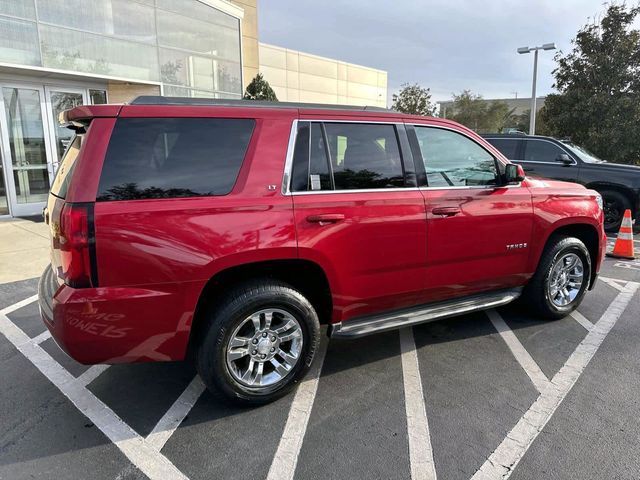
(446, 211)
(325, 218)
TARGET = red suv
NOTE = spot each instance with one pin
(231, 230)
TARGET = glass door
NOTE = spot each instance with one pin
(25, 149)
(4, 202)
(59, 100)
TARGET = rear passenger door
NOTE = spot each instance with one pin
(359, 213)
(478, 231)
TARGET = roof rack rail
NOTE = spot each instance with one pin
(224, 102)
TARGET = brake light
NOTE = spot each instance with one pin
(77, 245)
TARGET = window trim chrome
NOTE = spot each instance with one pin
(463, 187)
(288, 164)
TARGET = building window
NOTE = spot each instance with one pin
(190, 47)
(98, 97)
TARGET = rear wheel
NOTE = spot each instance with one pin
(562, 278)
(614, 205)
(260, 340)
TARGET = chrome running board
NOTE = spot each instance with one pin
(360, 327)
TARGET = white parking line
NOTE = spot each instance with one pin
(91, 374)
(171, 420)
(146, 459)
(420, 450)
(528, 364)
(283, 465)
(612, 282)
(43, 337)
(628, 264)
(19, 305)
(506, 457)
(582, 320)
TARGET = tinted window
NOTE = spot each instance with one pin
(541, 151)
(360, 156)
(319, 177)
(60, 184)
(300, 170)
(507, 146)
(364, 156)
(173, 157)
(453, 160)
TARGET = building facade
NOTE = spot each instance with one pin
(57, 54)
(301, 77)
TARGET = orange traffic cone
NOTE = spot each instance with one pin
(624, 243)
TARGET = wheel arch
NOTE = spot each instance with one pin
(586, 233)
(304, 275)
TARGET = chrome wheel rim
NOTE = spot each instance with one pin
(565, 279)
(264, 348)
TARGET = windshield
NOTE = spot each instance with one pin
(584, 154)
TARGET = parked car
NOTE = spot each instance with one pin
(231, 230)
(549, 157)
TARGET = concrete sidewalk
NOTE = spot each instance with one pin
(24, 249)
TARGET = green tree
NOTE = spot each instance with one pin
(259, 89)
(598, 83)
(474, 112)
(413, 99)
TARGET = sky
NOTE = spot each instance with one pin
(445, 45)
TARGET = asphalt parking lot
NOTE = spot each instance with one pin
(488, 395)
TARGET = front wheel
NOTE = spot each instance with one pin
(260, 340)
(615, 203)
(561, 280)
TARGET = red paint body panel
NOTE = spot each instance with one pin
(375, 258)
(467, 253)
(124, 324)
(383, 250)
(557, 204)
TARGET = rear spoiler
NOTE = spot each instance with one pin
(80, 117)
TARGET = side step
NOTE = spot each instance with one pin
(360, 327)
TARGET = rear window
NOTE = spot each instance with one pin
(60, 184)
(173, 157)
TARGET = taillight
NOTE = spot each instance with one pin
(77, 245)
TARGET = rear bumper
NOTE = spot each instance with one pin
(117, 325)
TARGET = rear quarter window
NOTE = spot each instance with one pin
(173, 157)
(61, 182)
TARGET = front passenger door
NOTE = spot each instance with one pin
(473, 222)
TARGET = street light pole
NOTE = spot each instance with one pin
(546, 46)
(532, 118)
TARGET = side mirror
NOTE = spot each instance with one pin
(513, 173)
(565, 159)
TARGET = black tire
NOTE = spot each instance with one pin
(228, 314)
(615, 203)
(536, 293)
